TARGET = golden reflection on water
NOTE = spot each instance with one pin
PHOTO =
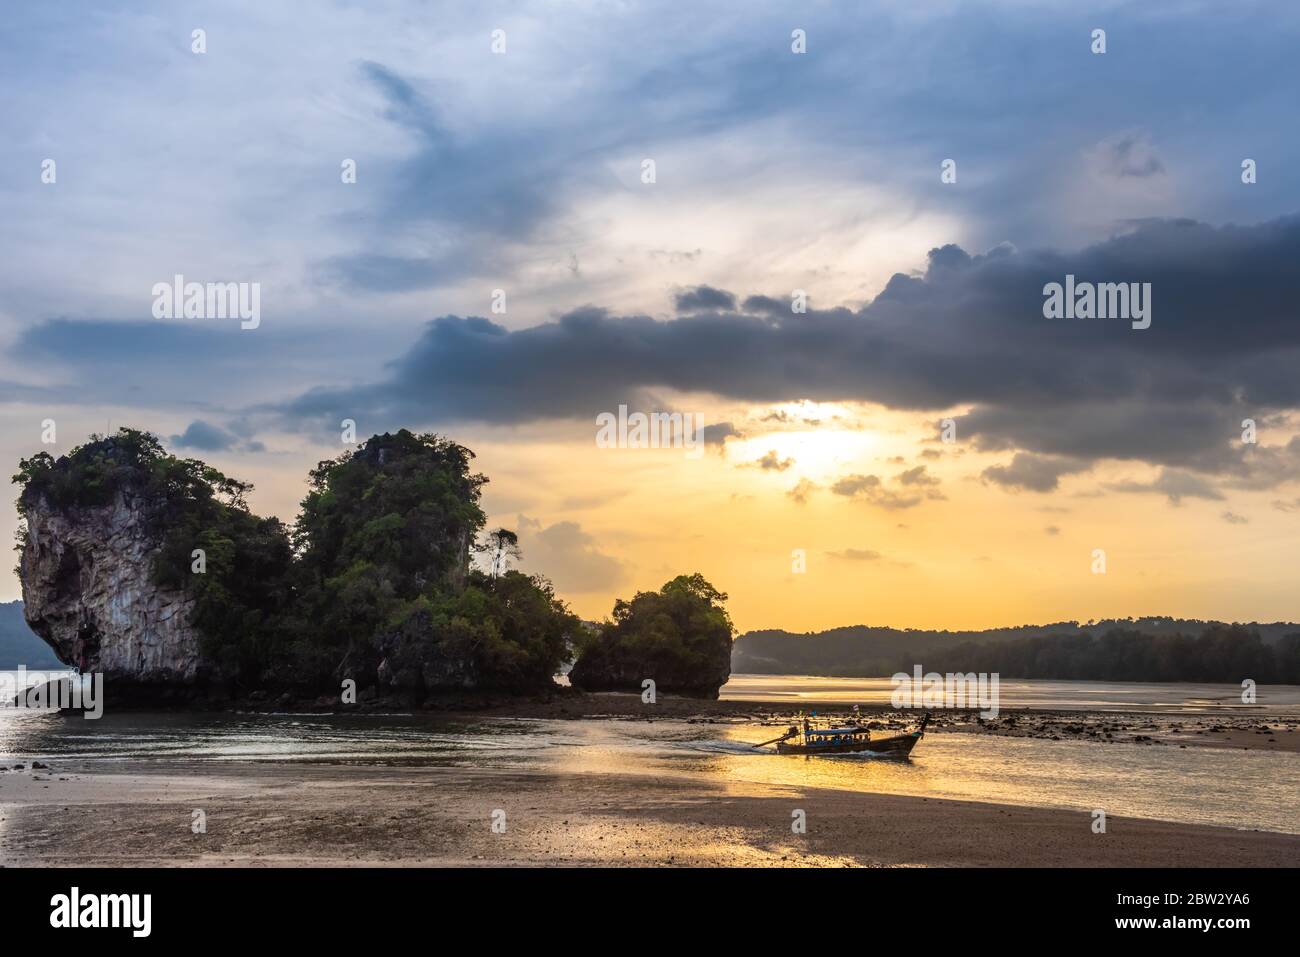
(798, 690)
(1197, 785)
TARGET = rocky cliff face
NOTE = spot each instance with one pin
(410, 664)
(379, 589)
(88, 592)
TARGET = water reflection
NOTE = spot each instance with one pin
(332, 739)
(1253, 789)
(794, 690)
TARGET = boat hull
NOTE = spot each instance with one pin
(899, 746)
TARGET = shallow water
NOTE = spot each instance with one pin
(155, 739)
(1248, 789)
(1251, 789)
(1053, 695)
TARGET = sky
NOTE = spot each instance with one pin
(920, 447)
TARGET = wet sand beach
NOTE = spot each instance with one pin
(609, 780)
(269, 815)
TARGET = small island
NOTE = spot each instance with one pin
(152, 570)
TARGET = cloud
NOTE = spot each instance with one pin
(854, 484)
(108, 342)
(1232, 518)
(868, 489)
(705, 298)
(782, 417)
(1174, 485)
(1129, 155)
(375, 272)
(570, 557)
(1032, 473)
(467, 197)
(205, 436)
(856, 555)
(719, 432)
(198, 365)
(771, 462)
(802, 490)
(916, 476)
(863, 555)
(968, 332)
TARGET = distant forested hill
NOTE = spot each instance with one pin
(18, 645)
(1142, 649)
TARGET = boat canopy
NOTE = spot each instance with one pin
(826, 732)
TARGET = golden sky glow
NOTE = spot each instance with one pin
(603, 523)
(977, 557)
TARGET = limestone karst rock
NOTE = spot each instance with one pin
(88, 591)
(150, 570)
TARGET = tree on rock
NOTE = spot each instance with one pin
(679, 637)
(384, 585)
(501, 546)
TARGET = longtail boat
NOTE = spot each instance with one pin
(846, 739)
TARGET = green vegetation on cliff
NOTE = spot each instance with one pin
(92, 475)
(381, 529)
(187, 505)
(374, 582)
(679, 636)
(383, 547)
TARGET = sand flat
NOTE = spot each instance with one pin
(265, 814)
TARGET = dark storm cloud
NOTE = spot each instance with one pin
(1223, 345)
